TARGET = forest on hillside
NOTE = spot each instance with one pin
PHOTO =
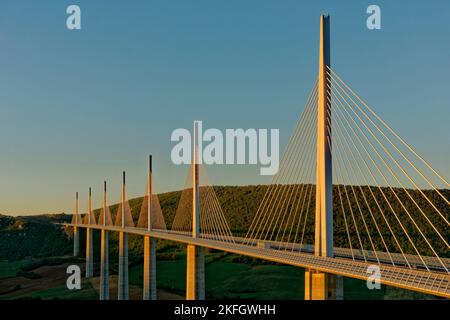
(376, 218)
(381, 219)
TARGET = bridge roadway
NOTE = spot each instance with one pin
(435, 282)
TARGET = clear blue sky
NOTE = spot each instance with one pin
(78, 107)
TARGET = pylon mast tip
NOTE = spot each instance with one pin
(150, 163)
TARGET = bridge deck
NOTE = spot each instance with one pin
(433, 282)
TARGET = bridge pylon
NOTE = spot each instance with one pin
(195, 266)
(123, 289)
(89, 241)
(104, 257)
(149, 286)
(320, 285)
(76, 231)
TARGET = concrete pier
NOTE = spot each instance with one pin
(314, 285)
(195, 273)
(323, 286)
(76, 231)
(149, 290)
(123, 291)
(319, 285)
(89, 253)
(89, 240)
(104, 266)
(195, 264)
(149, 287)
(104, 255)
(76, 242)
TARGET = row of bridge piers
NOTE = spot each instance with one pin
(195, 270)
(318, 285)
(195, 273)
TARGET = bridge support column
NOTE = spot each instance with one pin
(320, 285)
(76, 231)
(323, 286)
(122, 291)
(89, 253)
(195, 269)
(149, 292)
(338, 287)
(104, 266)
(76, 242)
(195, 275)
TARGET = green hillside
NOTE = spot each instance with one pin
(33, 236)
(38, 236)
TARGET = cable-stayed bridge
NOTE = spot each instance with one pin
(350, 195)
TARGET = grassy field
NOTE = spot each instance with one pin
(9, 269)
(227, 277)
(61, 292)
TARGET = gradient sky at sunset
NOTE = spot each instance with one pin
(78, 107)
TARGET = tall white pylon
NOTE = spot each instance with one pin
(76, 231)
(195, 273)
(89, 241)
(104, 263)
(324, 198)
(123, 292)
(149, 291)
(320, 285)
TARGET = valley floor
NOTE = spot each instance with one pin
(227, 277)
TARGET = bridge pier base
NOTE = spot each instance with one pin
(76, 242)
(323, 286)
(104, 266)
(149, 292)
(338, 287)
(195, 273)
(89, 253)
(122, 291)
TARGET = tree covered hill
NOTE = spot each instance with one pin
(35, 236)
(39, 236)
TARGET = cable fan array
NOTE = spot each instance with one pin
(124, 210)
(213, 224)
(76, 217)
(158, 222)
(124, 217)
(387, 203)
(285, 216)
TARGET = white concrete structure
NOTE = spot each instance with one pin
(319, 285)
(195, 270)
(149, 289)
(76, 232)
(104, 262)
(123, 290)
(89, 241)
